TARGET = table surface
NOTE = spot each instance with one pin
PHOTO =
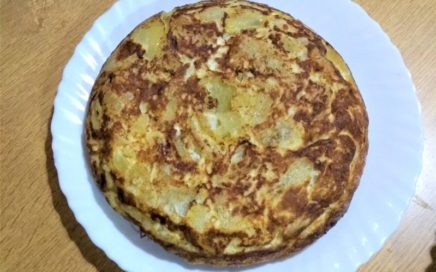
(38, 231)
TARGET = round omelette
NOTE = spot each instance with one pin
(228, 131)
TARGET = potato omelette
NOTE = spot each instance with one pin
(228, 131)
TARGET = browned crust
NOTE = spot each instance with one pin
(254, 257)
(258, 257)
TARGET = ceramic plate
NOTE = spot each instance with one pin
(388, 181)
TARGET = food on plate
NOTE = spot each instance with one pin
(228, 131)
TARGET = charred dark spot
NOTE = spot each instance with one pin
(158, 88)
(100, 98)
(277, 29)
(165, 149)
(116, 177)
(95, 134)
(121, 196)
(94, 168)
(111, 76)
(254, 71)
(317, 68)
(172, 42)
(276, 40)
(248, 32)
(158, 218)
(211, 103)
(129, 48)
(102, 182)
(225, 16)
(125, 197)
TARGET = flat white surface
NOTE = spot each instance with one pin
(392, 167)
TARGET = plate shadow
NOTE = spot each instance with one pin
(432, 266)
(76, 233)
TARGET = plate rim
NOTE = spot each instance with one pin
(117, 6)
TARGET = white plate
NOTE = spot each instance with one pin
(393, 162)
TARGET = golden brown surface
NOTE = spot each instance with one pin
(38, 231)
(228, 131)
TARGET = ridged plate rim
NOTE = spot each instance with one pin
(395, 135)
